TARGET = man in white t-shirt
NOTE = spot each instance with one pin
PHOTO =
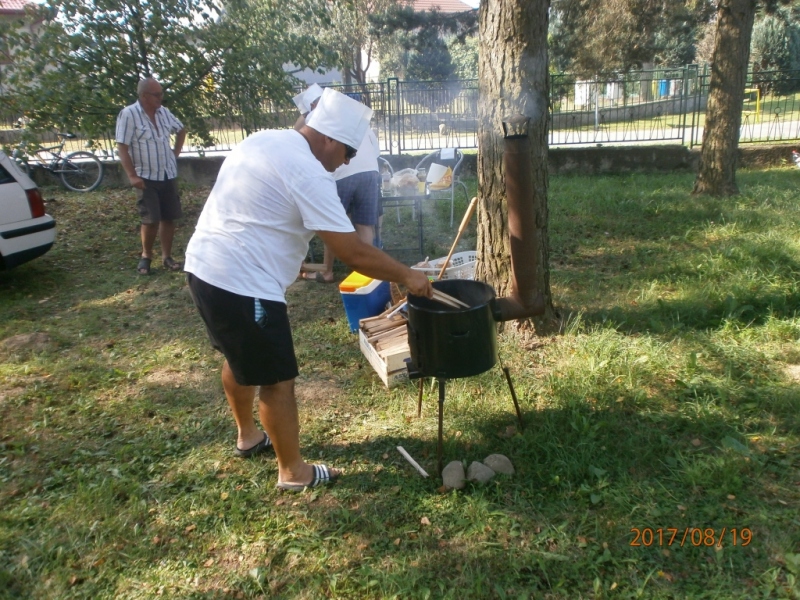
(273, 194)
(358, 184)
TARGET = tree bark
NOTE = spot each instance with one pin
(513, 79)
(718, 156)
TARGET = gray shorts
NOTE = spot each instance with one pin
(159, 201)
(360, 195)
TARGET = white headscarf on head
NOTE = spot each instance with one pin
(341, 118)
(298, 102)
(306, 98)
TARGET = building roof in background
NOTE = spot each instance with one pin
(445, 6)
(13, 7)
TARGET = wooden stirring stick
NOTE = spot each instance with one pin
(461, 229)
(449, 300)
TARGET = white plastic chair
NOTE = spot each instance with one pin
(447, 157)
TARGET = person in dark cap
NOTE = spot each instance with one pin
(273, 194)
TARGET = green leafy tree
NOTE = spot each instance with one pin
(716, 175)
(350, 36)
(417, 48)
(776, 42)
(591, 37)
(464, 56)
(430, 60)
(85, 60)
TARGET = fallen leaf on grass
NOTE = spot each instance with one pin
(425, 521)
(190, 528)
(209, 562)
(508, 432)
(396, 542)
(224, 496)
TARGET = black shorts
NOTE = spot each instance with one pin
(159, 201)
(254, 335)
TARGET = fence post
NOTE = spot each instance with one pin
(393, 90)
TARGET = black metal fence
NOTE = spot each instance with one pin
(656, 106)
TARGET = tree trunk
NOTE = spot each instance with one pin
(513, 79)
(718, 156)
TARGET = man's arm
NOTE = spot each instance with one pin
(180, 137)
(371, 262)
(127, 163)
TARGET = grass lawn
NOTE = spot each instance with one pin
(661, 456)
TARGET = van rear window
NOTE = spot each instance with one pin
(5, 176)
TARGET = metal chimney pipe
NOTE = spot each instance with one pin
(525, 300)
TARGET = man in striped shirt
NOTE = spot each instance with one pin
(143, 140)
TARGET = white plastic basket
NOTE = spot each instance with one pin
(462, 266)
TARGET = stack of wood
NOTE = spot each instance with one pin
(387, 332)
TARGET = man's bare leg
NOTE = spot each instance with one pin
(366, 233)
(240, 398)
(277, 409)
(166, 232)
(149, 231)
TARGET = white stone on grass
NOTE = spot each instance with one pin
(453, 475)
(479, 472)
(499, 464)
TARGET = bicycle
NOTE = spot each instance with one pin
(79, 171)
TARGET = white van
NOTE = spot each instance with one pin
(26, 231)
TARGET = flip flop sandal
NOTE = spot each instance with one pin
(260, 447)
(172, 265)
(144, 266)
(322, 476)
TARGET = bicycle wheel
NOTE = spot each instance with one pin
(80, 171)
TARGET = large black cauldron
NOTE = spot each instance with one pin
(448, 343)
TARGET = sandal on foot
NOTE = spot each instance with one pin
(260, 447)
(172, 265)
(322, 476)
(318, 277)
(144, 266)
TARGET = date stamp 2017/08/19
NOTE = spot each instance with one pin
(694, 536)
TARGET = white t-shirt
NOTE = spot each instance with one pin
(270, 196)
(365, 160)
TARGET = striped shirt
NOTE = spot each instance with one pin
(148, 145)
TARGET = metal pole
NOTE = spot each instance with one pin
(507, 373)
(441, 412)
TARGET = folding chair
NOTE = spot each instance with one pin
(383, 163)
(447, 157)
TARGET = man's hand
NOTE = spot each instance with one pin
(136, 182)
(419, 284)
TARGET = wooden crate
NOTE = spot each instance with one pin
(391, 368)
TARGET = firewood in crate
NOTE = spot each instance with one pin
(397, 295)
